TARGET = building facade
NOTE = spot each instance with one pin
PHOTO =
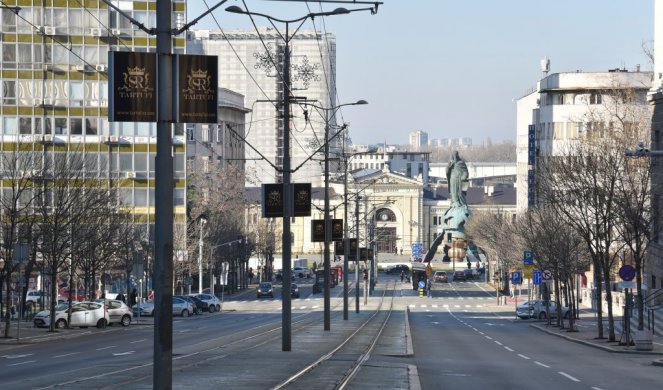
(250, 63)
(418, 139)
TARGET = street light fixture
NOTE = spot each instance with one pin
(287, 191)
(329, 113)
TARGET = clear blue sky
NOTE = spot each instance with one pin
(453, 68)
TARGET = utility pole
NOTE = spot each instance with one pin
(357, 258)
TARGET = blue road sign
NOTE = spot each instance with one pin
(537, 277)
(528, 258)
(516, 277)
(422, 284)
(627, 272)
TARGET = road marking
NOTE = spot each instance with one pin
(18, 364)
(489, 338)
(568, 376)
(16, 356)
(436, 323)
(101, 349)
(596, 388)
(413, 306)
(123, 353)
(302, 307)
(523, 356)
(541, 364)
(508, 349)
(498, 343)
(424, 306)
(138, 341)
(66, 354)
(434, 306)
(314, 307)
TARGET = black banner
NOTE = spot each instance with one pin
(337, 230)
(317, 230)
(133, 86)
(272, 200)
(198, 88)
(363, 254)
(302, 199)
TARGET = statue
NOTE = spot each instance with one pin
(457, 174)
(458, 212)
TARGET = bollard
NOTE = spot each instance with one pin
(421, 292)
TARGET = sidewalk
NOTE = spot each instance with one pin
(587, 332)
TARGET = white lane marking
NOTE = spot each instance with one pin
(489, 338)
(427, 310)
(315, 307)
(101, 349)
(436, 323)
(138, 341)
(497, 342)
(66, 354)
(435, 306)
(481, 333)
(25, 362)
(423, 306)
(508, 349)
(413, 306)
(568, 376)
(456, 305)
(596, 388)
(16, 356)
(302, 307)
(523, 356)
(123, 353)
(541, 364)
(445, 306)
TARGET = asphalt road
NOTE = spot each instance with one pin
(462, 340)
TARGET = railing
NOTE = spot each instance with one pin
(651, 317)
(652, 307)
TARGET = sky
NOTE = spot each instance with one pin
(454, 68)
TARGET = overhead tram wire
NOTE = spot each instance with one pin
(108, 29)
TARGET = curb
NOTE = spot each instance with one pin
(658, 362)
(409, 348)
(594, 345)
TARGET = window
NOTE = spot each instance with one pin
(595, 98)
(76, 126)
(558, 130)
(25, 125)
(91, 126)
(126, 162)
(61, 126)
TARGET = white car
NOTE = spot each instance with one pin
(301, 272)
(180, 307)
(118, 312)
(83, 314)
(213, 303)
(43, 317)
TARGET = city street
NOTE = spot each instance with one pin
(461, 340)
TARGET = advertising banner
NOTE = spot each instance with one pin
(133, 87)
(198, 78)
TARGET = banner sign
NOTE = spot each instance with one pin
(317, 230)
(198, 78)
(133, 86)
(531, 145)
(272, 200)
(337, 230)
(302, 199)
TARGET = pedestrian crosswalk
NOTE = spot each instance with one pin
(457, 306)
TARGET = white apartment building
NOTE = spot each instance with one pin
(250, 64)
(556, 109)
(409, 164)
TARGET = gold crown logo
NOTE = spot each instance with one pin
(199, 73)
(136, 71)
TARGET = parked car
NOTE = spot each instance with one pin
(118, 311)
(537, 309)
(396, 269)
(301, 272)
(441, 277)
(42, 318)
(34, 298)
(83, 314)
(468, 273)
(213, 303)
(77, 295)
(459, 275)
(294, 290)
(180, 307)
(265, 289)
(198, 306)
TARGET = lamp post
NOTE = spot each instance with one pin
(328, 114)
(287, 191)
(202, 221)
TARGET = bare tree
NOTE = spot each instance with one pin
(20, 170)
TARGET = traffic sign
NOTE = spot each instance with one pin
(516, 277)
(546, 274)
(528, 258)
(537, 277)
(429, 270)
(527, 274)
(627, 272)
(422, 284)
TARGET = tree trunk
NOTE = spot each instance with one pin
(608, 297)
(572, 304)
(599, 298)
(638, 297)
(54, 298)
(558, 302)
(9, 302)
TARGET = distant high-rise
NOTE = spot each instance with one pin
(418, 139)
(250, 64)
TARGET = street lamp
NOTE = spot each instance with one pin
(287, 191)
(328, 114)
(202, 221)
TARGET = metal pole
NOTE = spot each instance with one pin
(346, 246)
(200, 257)
(162, 376)
(286, 315)
(327, 306)
(357, 254)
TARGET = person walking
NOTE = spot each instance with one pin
(428, 283)
(133, 298)
(402, 275)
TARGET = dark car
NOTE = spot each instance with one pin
(198, 306)
(294, 290)
(468, 274)
(459, 275)
(265, 290)
(441, 276)
(396, 270)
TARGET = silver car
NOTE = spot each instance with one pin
(180, 307)
(214, 304)
(83, 314)
(118, 311)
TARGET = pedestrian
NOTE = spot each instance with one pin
(402, 275)
(401, 251)
(133, 298)
(151, 296)
(428, 283)
(120, 297)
